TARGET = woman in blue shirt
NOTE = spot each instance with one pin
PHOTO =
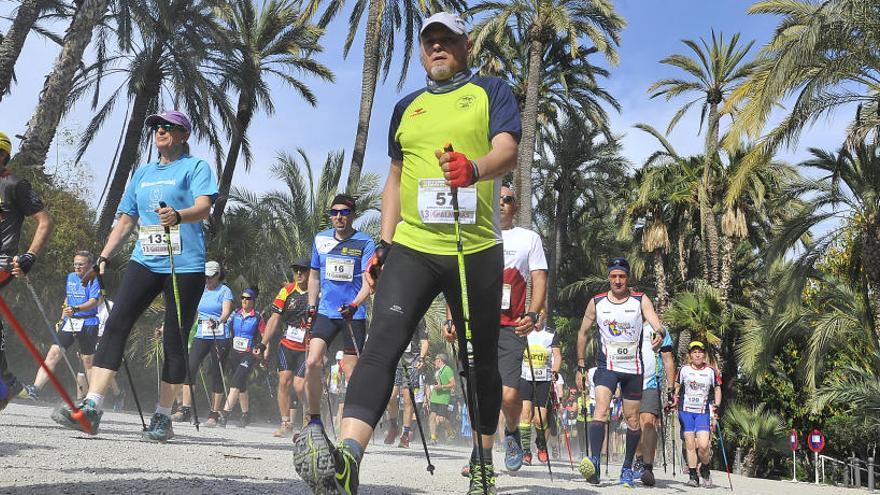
(247, 327)
(187, 187)
(211, 338)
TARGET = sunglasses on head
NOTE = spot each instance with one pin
(344, 212)
(165, 127)
(508, 199)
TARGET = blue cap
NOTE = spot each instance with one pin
(250, 292)
(618, 263)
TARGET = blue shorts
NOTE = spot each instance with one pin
(693, 422)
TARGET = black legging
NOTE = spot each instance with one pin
(139, 288)
(409, 283)
(242, 371)
(218, 349)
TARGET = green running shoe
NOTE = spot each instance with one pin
(64, 417)
(347, 471)
(160, 429)
(477, 486)
(314, 459)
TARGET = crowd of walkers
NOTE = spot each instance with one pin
(447, 227)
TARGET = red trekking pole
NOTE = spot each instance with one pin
(77, 413)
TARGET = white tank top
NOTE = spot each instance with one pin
(620, 332)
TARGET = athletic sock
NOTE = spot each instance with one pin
(354, 448)
(406, 430)
(693, 472)
(525, 434)
(163, 410)
(597, 438)
(285, 419)
(96, 399)
(541, 437)
(487, 455)
(632, 442)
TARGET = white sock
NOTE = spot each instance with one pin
(98, 399)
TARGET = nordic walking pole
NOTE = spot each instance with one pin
(471, 376)
(557, 405)
(137, 402)
(674, 454)
(354, 341)
(537, 406)
(76, 413)
(158, 371)
(330, 405)
(659, 366)
(55, 339)
(724, 455)
(412, 398)
(183, 334)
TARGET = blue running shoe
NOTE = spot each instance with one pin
(513, 453)
(626, 478)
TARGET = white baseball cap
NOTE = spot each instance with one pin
(212, 268)
(452, 22)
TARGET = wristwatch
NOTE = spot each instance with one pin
(534, 316)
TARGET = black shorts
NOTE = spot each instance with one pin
(290, 360)
(541, 397)
(441, 410)
(326, 329)
(87, 339)
(510, 357)
(630, 385)
(650, 401)
(242, 370)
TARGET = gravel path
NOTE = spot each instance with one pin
(37, 456)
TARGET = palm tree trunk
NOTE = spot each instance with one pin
(369, 76)
(660, 282)
(683, 255)
(10, 47)
(727, 247)
(53, 99)
(558, 240)
(706, 211)
(131, 147)
(523, 175)
(242, 122)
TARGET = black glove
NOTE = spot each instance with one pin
(348, 310)
(378, 259)
(259, 348)
(26, 261)
(310, 319)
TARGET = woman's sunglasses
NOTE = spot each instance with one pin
(165, 127)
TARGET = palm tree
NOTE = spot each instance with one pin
(276, 41)
(384, 20)
(848, 190)
(823, 55)
(579, 166)
(12, 43)
(44, 123)
(718, 69)
(178, 46)
(542, 22)
(757, 431)
(265, 220)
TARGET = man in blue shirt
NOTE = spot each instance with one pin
(79, 322)
(340, 256)
(657, 368)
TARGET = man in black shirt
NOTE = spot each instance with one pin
(17, 201)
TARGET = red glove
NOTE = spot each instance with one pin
(460, 170)
(348, 310)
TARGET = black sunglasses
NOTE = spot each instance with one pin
(344, 212)
(165, 127)
(508, 199)
(246, 298)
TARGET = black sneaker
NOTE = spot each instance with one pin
(314, 460)
(706, 474)
(160, 429)
(347, 471)
(244, 420)
(183, 414)
(695, 479)
(222, 418)
(648, 475)
(64, 417)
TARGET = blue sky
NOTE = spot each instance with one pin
(655, 29)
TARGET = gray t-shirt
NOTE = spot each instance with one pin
(17, 201)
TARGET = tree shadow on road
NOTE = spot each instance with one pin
(10, 449)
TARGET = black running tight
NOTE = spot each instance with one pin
(139, 288)
(409, 283)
